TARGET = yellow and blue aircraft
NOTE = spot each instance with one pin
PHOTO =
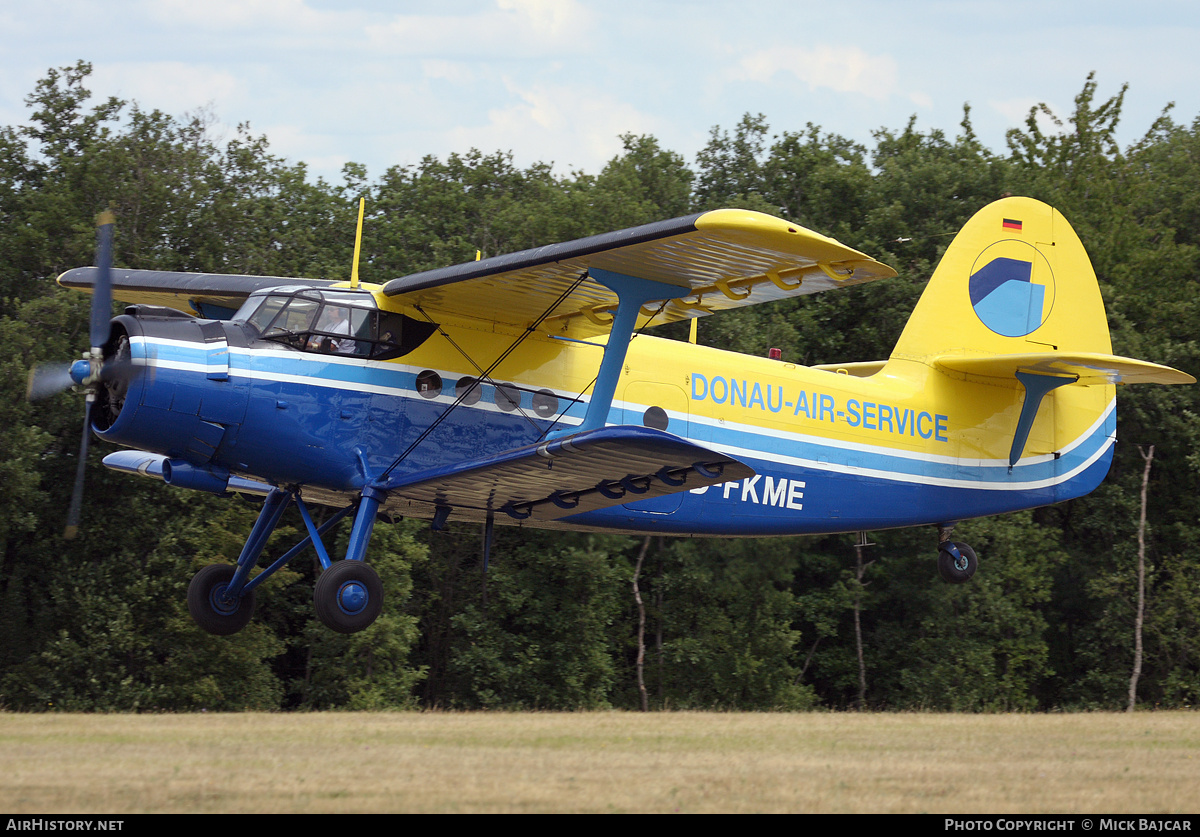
(524, 389)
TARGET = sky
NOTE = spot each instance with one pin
(559, 81)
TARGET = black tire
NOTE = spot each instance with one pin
(348, 596)
(954, 571)
(205, 605)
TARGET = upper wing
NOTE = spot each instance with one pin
(211, 295)
(720, 259)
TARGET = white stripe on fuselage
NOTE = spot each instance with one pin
(738, 451)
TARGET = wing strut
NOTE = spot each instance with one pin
(484, 375)
(632, 293)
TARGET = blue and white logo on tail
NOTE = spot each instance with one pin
(1012, 288)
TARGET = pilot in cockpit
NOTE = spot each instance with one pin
(334, 319)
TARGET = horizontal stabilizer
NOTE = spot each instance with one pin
(1089, 367)
(1042, 372)
(584, 472)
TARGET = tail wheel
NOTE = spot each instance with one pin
(956, 569)
(348, 596)
(208, 605)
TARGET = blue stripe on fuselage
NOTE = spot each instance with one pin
(341, 407)
(787, 501)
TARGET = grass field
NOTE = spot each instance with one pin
(600, 762)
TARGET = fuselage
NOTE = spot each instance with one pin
(831, 451)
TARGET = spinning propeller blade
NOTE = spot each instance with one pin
(95, 373)
(48, 379)
(77, 492)
(102, 293)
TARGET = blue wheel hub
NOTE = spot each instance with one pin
(348, 596)
(221, 603)
(352, 598)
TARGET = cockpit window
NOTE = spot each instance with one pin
(259, 313)
(295, 319)
(333, 322)
(335, 328)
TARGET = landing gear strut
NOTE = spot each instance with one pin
(956, 561)
(348, 594)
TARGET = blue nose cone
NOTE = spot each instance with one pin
(80, 370)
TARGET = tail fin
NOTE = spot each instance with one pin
(1015, 301)
(1015, 280)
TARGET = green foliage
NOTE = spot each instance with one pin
(982, 646)
(370, 669)
(653, 182)
(544, 638)
(728, 626)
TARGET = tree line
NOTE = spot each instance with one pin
(100, 623)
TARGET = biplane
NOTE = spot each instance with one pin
(525, 389)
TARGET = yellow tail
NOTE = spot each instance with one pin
(1014, 307)
(1015, 280)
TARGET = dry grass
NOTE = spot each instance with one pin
(611, 761)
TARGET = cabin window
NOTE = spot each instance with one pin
(507, 397)
(336, 328)
(261, 313)
(429, 384)
(468, 391)
(545, 403)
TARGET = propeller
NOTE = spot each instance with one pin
(49, 379)
(90, 372)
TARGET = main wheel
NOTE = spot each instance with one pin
(957, 570)
(208, 607)
(348, 596)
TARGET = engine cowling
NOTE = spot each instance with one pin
(187, 407)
